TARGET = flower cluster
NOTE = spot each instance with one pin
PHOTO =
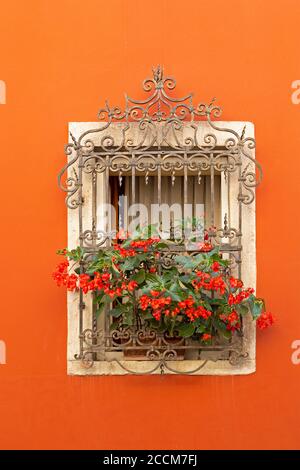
(105, 284)
(210, 283)
(205, 247)
(63, 278)
(240, 297)
(265, 320)
(188, 307)
(144, 244)
(98, 282)
(123, 252)
(232, 321)
(195, 298)
(206, 337)
(157, 303)
(235, 283)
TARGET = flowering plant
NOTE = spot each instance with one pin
(196, 297)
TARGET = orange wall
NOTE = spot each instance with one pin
(60, 61)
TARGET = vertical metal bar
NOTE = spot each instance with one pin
(159, 190)
(185, 195)
(204, 182)
(107, 192)
(240, 220)
(94, 208)
(194, 201)
(106, 228)
(80, 229)
(133, 179)
(212, 192)
(159, 162)
(94, 243)
(228, 200)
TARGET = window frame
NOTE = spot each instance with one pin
(245, 365)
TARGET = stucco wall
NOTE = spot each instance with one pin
(60, 60)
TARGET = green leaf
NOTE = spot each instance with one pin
(186, 329)
(152, 278)
(213, 252)
(173, 295)
(141, 257)
(242, 309)
(162, 245)
(75, 254)
(105, 299)
(115, 312)
(128, 318)
(207, 306)
(129, 264)
(119, 310)
(139, 277)
(115, 270)
(186, 261)
(226, 333)
(201, 329)
(147, 316)
(98, 298)
(114, 325)
(218, 324)
(256, 308)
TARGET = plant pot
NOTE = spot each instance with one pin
(158, 346)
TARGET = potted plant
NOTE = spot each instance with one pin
(196, 297)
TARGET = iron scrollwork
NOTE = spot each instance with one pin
(160, 133)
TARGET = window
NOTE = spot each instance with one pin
(162, 151)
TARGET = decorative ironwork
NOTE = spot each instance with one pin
(157, 136)
(150, 345)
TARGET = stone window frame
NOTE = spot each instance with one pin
(247, 364)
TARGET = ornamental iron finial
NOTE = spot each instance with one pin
(157, 73)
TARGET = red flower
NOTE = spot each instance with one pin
(265, 320)
(154, 293)
(144, 244)
(210, 283)
(187, 303)
(144, 302)
(84, 282)
(206, 337)
(215, 266)
(157, 304)
(105, 277)
(157, 315)
(232, 321)
(238, 298)
(218, 284)
(235, 283)
(197, 312)
(132, 285)
(121, 234)
(71, 282)
(63, 278)
(205, 247)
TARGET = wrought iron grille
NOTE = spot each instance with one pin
(158, 136)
